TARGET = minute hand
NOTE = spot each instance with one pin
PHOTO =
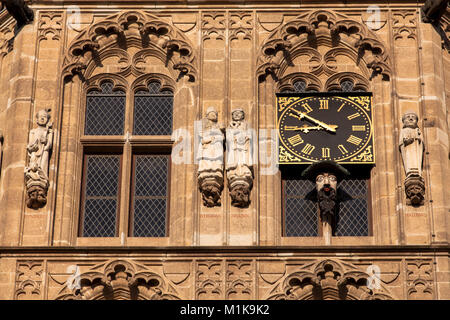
(320, 123)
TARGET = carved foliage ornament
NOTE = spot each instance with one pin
(322, 26)
(137, 28)
(120, 280)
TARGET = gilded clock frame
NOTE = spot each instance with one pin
(363, 100)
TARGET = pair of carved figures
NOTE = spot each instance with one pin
(412, 147)
(210, 156)
(19, 10)
(38, 150)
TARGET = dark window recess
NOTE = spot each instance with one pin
(150, 195)
(153, 111)
(353, 218)
(100, 196)
(105, 111)
(300, 215)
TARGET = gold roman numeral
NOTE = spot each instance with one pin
(340, 108)
(308, 149)
(325, 152)
(307, 107)
(354, 140)
(353, 116)
(358, 128)
(295, 140)
(323, 104)
(342, 149)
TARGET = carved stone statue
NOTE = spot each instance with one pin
(1, 150)
(239, 164)
(326, 175)
(19, 10)
(210, 158)
(433, 10)
(412, 148)
(39, 148)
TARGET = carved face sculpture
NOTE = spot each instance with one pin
(211, 114)
(326, 182)
(238, 115)
(410, 120)
(42, 117)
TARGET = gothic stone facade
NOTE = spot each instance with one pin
(227, 55)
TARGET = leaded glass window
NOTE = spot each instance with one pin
(105, 111)
(107, 151)
(100, 195)
(150, 195)
(300, 211)
(300, 214)
(153, 111)
(353, 217)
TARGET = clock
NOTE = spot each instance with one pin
(325, 126)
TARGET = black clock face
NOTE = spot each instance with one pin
(319, 128)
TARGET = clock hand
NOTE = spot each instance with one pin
(304, 129)
(302, 115)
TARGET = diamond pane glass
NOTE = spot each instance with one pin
(300, 214)
(153, 111)
(353, 219)
(347, 86)
(105, 111)
(150, 198)
(101, 196)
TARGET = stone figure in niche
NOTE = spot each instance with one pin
(210, 158)
(36, 173)
(239, 164)
(412, 147)
(1, 150)
(433, 10)
(326, 175)
(19, 10)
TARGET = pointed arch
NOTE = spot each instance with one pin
(328, 279)
(322, 28)
(114, 34)
(119, 280)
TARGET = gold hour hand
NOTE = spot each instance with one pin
(301, 115)
(304, 129)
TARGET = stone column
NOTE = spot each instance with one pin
(17, 126)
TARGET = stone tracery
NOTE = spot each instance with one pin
(110, 37)
(120, 280)
(306, 33)
(328, 279)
